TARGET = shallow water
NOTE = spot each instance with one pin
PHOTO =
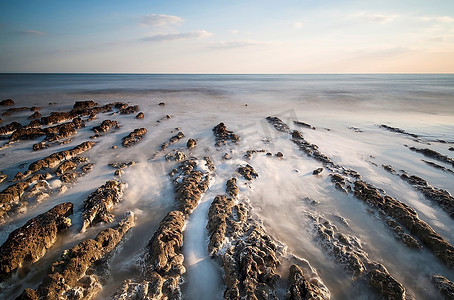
(419, 104)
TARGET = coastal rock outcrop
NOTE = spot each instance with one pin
(7, 102)
(397, 130)
(433, 154)
(134, 137)
(98, 204)
(71, 277)
(248, 172)
(105, 126)
(444, 286)
(223, 136)
(9, 128)
(172, 140)
(30, 242)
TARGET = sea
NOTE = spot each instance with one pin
(345, 113)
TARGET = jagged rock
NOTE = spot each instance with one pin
(35, 115)
(99, 203)
(9, 128)
(134, 137)
(122, 165)
(84, 104)
(3, 177)
(302, 124)
(317, 171)
(297, 135)
(15, 109)
(172, 140)
(30, 242)
(299, 288)
(176, 155)
(129, 110)
(191, 144)
(190, 184)
(433, 154)
(7, 102)
(105, 126)
(248, 172)
(400, 234)
(24, 133)
(407, 217)
(389, 287)
(65, 166)
(444, 286)
(68, 277)
(249, 153)
(140, 116)
(278, 124)
(231, 187)
(389, 168)
(56, 117)
(398, 130)
(437, 166)
(222, 135)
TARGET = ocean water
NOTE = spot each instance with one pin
(346, 111)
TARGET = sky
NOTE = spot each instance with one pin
(227, 36)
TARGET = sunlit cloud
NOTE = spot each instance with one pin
(161, 37)
(161, 20)
(297, 25)
(364, 17)
(235, 44)
(32, 32)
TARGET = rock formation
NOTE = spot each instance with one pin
(134, 137)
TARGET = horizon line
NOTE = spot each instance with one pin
(184, 73)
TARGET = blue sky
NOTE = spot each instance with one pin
(307, 36)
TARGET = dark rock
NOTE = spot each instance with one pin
(27, 133)
(176, 155)
(15, 109)
(433, 154)
(451, 149)
(278, 124)
(444, 286)
(9, 128)
(122, 165)
(56, 117)
(65, 167)
(99, 203)
(337, 178)
(68, 278)
(302, 124)
(7, 102)
(231, 187)
(79, 105)
(389, 168)
(191, 144)
(35, 115)
(297, 135)
(134, 137)
(398, 130)
(437, 166)
(248, 172)
(140, 115)
(387, 285)
(279, 155)
(172, 140)
(249, 153)
(226, 156)
(162, 104)
(30, 242)
(105, 126)
(299, 288)
(223, 136)
(317, 171)
(129, 110)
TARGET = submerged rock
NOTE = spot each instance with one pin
(134, 137)
(30, 242)
(99, 203)
(397, 130)
(69, 278)
(7, 102)
(437, 166)
(223, 136)
(433, 154)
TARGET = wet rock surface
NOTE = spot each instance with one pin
(129, 110)
(105, 126)
(302, 124)
(191, 144)
(397, 130)
(99, 203)
(172, 140)
(7, 102)
(433, 154)
(248, 172)
(300, 288)
(80, 105)
(444, 286)
(69, 277)
(437, 166)
(223, 136)
(134, 137)
(140, 116)
(30, 242)
(9, 128)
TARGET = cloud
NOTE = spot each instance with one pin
(442, 19)
(234, 31)
(235, 44)
(436, 39)
(372, 18)
(161, 37)
(161, 20)
(32, 32)
(297, 25)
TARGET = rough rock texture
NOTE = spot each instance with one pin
(250, 153)
(140, 116)
(317, 171)
(408, 218)
(191, 143)
(444, 286)
(35, 115)
(248, 172)
(7, 102)
(398, 130)
(56, 117)
(68, 278)
(223, 136)
(25, 133)
(172, 140)
(79, 105)
(134, 137)
(299, 288)
(433, 154)
(65, 166)
(9, 128)
(232, 188)
(278, 124)
(440, 196)
(302, 124)
(437, 166)
(176, 155)
(129, 110)
(15, 109)
(346, 249)
(105, 126)
(30, 242)
(189, 184)
(99, 203)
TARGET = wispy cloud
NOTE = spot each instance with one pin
(32, 32)
(161, 37)
(442, 19)
(161, 20)
(235, 44)
(234, 31)
(364, 17)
